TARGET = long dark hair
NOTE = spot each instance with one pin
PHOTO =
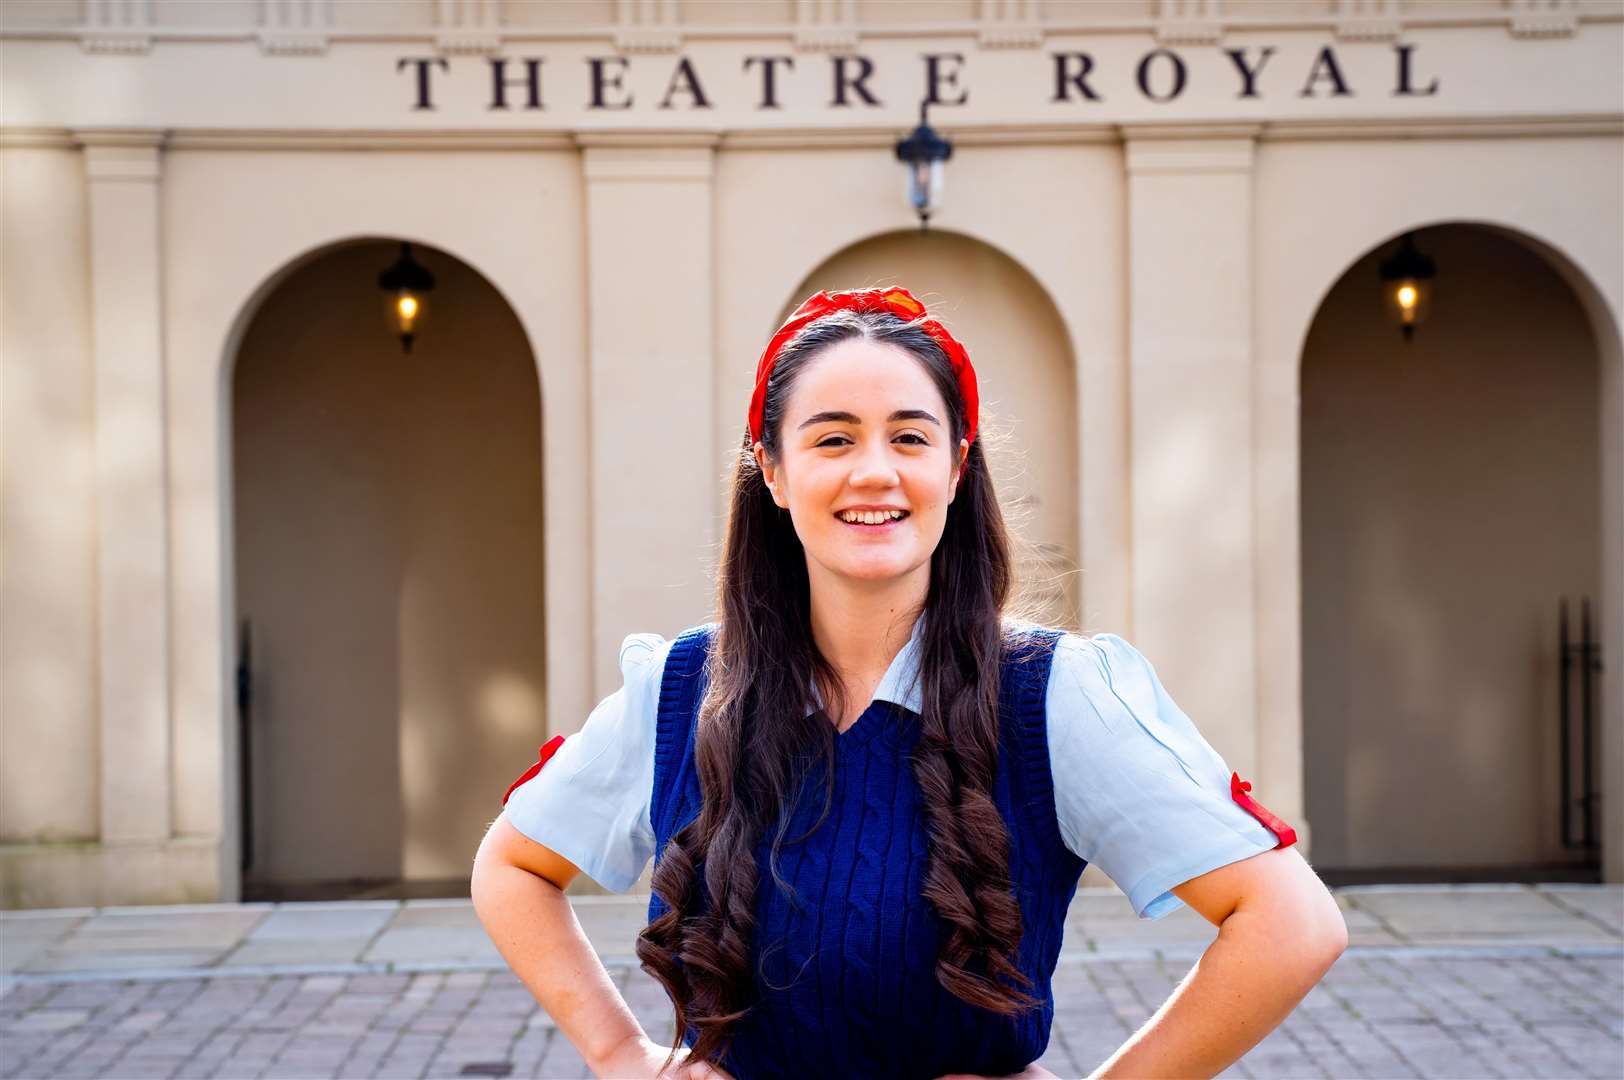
(754, 724)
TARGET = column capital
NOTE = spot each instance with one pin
(630, 156)
(1229, 149)
(121, 153)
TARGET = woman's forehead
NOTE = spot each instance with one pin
(864, 376)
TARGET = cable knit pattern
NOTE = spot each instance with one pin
(846, 968)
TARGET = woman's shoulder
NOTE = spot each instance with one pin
(1019, 632)
(1086, 662)
(646, 653)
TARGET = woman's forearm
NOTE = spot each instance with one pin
(535, 929)
(1249, 980)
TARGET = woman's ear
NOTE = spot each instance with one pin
(769, 473)
(958, 469)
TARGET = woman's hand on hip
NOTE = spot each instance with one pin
(640, 1058)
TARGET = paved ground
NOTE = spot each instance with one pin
(1439, 981)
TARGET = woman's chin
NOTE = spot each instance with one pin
(874, 570)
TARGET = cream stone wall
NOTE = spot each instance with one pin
(48, 722)
(162, 177)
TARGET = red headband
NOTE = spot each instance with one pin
(896, 300)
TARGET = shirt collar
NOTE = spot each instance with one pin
(900, 683)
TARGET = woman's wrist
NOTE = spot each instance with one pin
(613, 1062)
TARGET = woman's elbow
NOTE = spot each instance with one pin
(1331, 936)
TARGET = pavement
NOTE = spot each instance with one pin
(1456, 981)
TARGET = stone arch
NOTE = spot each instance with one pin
(398, 619)
(1587, 293)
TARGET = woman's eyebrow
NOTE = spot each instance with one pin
(839, 416)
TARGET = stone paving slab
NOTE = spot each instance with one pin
(1603, 905)
(437, 934)
(1483, 914)
(135, 938)
(1472, 1013)
(26, 934)
(446, 931)
(314, 933)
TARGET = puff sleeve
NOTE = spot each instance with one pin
(588, 796)
(1138, 791)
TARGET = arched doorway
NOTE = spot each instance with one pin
(1025, 376)
(1450, 497)
(387, 537)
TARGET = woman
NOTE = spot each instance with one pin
(869, 793)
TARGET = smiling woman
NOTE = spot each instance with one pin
(868, 791)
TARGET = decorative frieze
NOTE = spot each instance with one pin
(826, 25)
(1367, 20)
(1543, 18)
(118, 27)
(1189, 22)
(294, 27)
(1009, 24)
(647, 26)
(467, 27)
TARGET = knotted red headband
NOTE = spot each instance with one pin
(896, 300)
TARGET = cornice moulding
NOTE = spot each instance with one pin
(1011, 35)
(367, 140)
(1552, 125)
(648, 40)
(115, 42)
(292, 42)
(37, 138)
(1367, 28)
(1150, 131)
(886, 137)
(1190, 32)
(1574, 125)
(829, 39)
(646, 137)
(139, 137)
(468, 42)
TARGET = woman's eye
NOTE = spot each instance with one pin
(913, 437)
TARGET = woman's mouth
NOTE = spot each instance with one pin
(872, 521)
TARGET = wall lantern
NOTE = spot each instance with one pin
(403, 283)
(1405, 285)
(922, 153)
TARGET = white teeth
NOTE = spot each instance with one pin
(871, 517)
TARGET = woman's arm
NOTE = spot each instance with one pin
(1279, 932)
(518, 893)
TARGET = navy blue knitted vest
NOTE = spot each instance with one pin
(845, 973)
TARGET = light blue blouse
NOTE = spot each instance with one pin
(1138, 791)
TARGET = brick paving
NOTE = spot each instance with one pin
(1473, 1009)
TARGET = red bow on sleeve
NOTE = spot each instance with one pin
(547, 750)
(1238, 789)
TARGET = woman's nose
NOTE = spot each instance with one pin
(874, 466)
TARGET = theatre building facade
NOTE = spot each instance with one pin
(1297, 322)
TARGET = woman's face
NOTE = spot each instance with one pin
(865, 429)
